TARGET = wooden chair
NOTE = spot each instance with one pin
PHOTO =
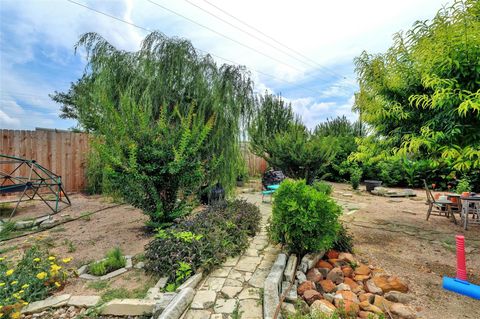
(442, 208)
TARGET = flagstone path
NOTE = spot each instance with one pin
(235, 290)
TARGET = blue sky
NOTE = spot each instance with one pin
(37, 40)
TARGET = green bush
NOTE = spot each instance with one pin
(114, 260)
(203, 240)
(463, 186)
(304, 219)
(344, 240)
(355, 176)
(323, 187)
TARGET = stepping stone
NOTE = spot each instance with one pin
(83, 301)
(235, 274)
(231, 292)
(221, 272)
(258, 278)
(248, 263)
(233, 283)
(249, 293)
(214, 283)
(197, 314)
(204, 299)
(232, 261)
(225, 306)
(250, 308)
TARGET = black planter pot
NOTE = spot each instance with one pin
(371, 184)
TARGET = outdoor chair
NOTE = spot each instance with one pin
(437, 207)
(267, 193)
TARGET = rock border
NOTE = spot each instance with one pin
(82, 271)
(273, 286)
(161, 305)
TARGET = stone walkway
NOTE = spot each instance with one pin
(235, 290)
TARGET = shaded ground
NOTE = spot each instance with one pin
(393, 234)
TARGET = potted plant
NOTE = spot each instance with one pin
(371, 184)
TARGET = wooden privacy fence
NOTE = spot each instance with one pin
(62, 152)
(65, 153)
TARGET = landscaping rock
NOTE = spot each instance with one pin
(366, 306)
(346, 257)
(191, 282)
(389, 283)
(361, 277)
(347, 271)
(362, 270)
(139, 265)
(372, 287)
(367, 315)
(52, 302)
(154, 293)
(301, 277)
(163, 302)
(307, 285)
(311, 295)
(323, 264)
(289, 272)
(352, 284)
(288, 308)
(83, 301)
(161, 283)
(322, 307)
(396, 296)
(291, 295)
(332, 254)
(382, 303)
(204, 299)
(348, 295)
(178, 305)
(343, 287)
(329, 297)
(314, 275)
(128, 307)
(327, 285)
(366, 297)
(311, 259)
(402, 311)
(335, 275)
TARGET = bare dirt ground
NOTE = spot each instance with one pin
(88, 238)
(393, 234)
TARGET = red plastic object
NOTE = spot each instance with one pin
(461, 264)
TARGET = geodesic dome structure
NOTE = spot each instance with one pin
(27, 180)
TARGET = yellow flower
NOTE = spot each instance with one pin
(51, 258)
(1, 315)
(2, 258)
(15, 315)
(41, 275)
(9, 272)
(57, 284)
(25, 303)
(67, 260)
(36, 260)
(2, 284)
(21, 291)
(14, 282)
(25, 286)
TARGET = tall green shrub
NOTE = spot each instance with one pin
(304, 218)
(154, 163)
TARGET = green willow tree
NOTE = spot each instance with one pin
(166, 73)
(422, 97)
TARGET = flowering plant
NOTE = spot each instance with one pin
(32, 278)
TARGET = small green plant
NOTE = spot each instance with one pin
(124, 293)
(323, 187)
(71, 248)
(7, 228)
(183, 272)
(98, 285)
(343, 240)
(463, 186)
(237, 313)
(114, 260)
(303, 218)
(355, 176)
(86, 216)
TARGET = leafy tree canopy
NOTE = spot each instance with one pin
(165, 73)
(422, 97)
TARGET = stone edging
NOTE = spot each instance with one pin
(273, 286)
(168, 305)
(82, 271)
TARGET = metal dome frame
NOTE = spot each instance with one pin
(40, 184)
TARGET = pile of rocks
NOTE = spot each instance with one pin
(338, 280)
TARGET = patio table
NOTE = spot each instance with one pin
(466, 209)
(448, 204)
